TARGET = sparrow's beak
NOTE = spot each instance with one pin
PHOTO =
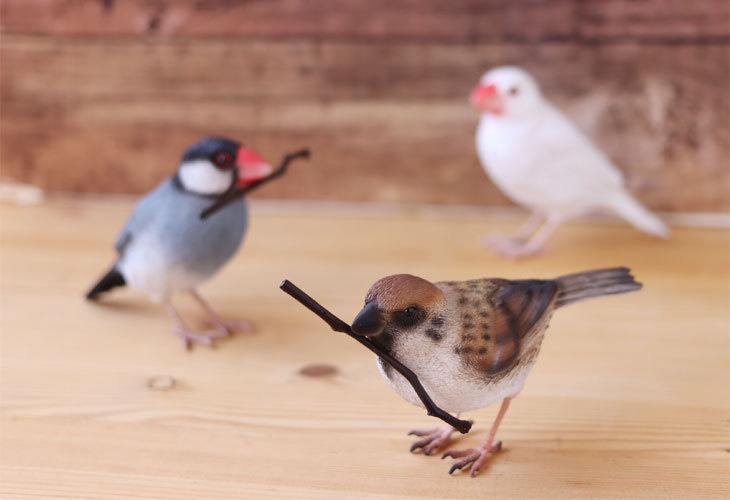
(250, 167)
(485, 98)
(370, 321)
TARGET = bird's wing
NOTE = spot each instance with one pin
(521, 305)
(571, 156)
(142, 215)
(516, 312)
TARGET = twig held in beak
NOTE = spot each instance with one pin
(338, 325)
(234, 192)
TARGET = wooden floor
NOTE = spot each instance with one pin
(99, 401)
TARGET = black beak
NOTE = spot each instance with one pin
(369, 322)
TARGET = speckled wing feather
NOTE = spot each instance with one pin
(499, 317)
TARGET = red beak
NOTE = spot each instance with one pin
(485, 98)
(251, 167)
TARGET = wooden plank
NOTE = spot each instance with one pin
(429, 20)
(459, 20)
(669, 20)
(385, 122)
(618, 405)
(70, 69)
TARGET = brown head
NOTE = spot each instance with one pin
(396, 303)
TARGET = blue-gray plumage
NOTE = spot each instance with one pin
(187, 249)
(166, 247)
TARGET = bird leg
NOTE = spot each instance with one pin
(523, 233)
(511, 248)
(224, 327)
(528, 227)
(187, 335)
(478, 456)
(431, 439)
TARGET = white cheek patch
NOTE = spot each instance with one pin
(201, 176)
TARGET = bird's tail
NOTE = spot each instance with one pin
(627, 207)
(588, 284)
(110, 280)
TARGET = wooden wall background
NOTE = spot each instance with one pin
(103, 95)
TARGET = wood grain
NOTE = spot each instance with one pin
(452, 21)
(629, 398)
(117, 117)
(102, 96)
(461, 20)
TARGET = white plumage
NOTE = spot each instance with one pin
(540, 160)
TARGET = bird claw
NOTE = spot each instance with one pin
(190, 337)
(476, 457)
(501, 240)
(227, 327)
(431, 439)
(508, 246)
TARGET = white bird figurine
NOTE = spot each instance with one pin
(538, 158)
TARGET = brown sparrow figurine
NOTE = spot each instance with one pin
(471, 343)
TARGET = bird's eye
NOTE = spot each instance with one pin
(513, 91)
(408, 317)
(223, 159)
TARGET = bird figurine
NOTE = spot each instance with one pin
(470, 343)
(535, 155)
(167, 246)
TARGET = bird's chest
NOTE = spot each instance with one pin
(457, 392)
(205, 245)
(507, 156)
(177, 250)
(450, 383)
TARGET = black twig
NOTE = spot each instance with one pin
(338, 325)
(233, 192)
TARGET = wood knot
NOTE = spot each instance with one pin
(318, 370)
(161, 383)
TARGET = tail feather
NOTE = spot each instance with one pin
(588, 284)
(110, 280)
(642, 219)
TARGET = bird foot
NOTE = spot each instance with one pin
(491, 240)
(190, 337)
(476, 457)
(227, 327)
(508, 246)
(431, 439)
